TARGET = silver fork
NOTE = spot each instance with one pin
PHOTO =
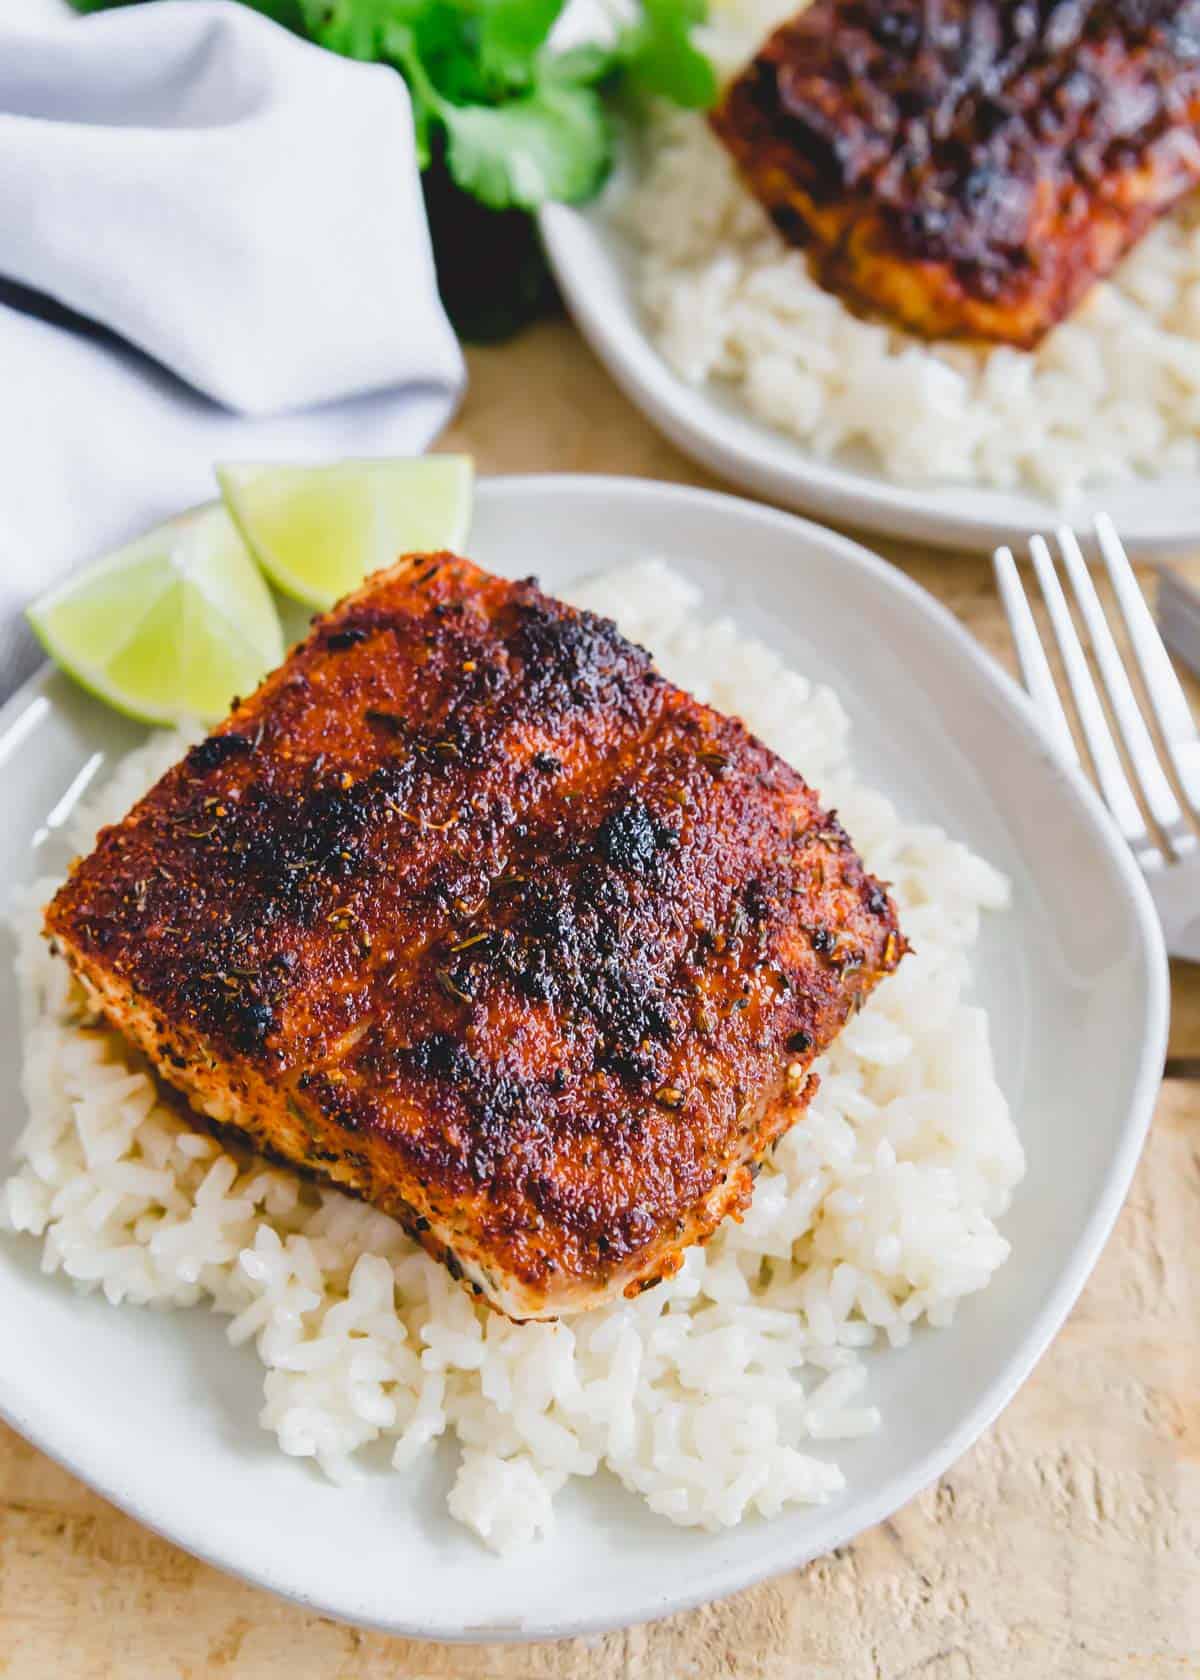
(1170, 857)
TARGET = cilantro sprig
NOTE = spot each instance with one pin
(504, 121)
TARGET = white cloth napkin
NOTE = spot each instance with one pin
(212, 246)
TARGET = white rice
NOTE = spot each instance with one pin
(875, 1214)
(1112, 393)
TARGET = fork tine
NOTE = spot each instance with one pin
(1143, 754)
(1115, 788)
(1162, 685)
(1035, 670)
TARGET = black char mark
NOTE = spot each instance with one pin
(632, 837)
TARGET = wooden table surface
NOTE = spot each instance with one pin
(1066, 1543)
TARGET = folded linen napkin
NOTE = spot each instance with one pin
(212, 245)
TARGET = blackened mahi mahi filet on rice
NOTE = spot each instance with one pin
(474, 914)
(970, 168)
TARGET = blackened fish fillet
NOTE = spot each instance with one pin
(471, 912)
(968, 168)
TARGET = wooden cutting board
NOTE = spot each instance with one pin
(1067, 1543)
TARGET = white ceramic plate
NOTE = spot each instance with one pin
(594, 265)
(158, 1411)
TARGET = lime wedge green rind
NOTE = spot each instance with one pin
(168, 628)
(318, 531)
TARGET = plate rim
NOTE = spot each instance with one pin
(899, 1488)
(695, 423)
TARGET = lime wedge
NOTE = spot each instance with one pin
(317, 532)
(169, 628)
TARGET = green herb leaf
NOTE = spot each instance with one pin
(444, 35)
(661, 58)
(581, 66)
(286, 12)
(553, 143)
(349, 27)
(511, 33)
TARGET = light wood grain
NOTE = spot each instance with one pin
(1067, 1543)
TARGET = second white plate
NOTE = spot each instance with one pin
(593, 263)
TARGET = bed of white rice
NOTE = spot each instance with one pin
(1111, 393)
(876, 1215)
